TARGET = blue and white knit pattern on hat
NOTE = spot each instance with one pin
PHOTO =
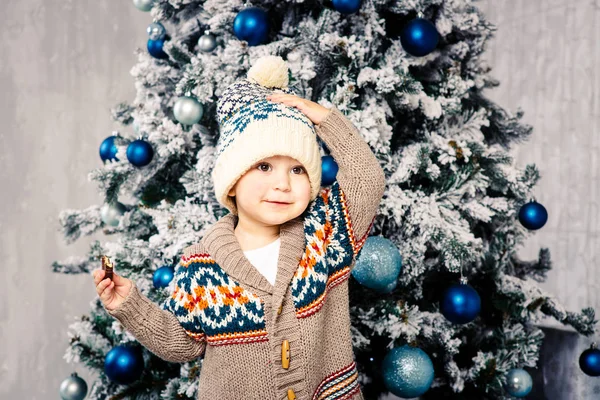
(245, 102)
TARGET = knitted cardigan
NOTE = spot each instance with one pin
(224, 310)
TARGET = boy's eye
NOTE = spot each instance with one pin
(263, 164)
(260, 166)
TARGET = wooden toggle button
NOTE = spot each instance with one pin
(285, 354)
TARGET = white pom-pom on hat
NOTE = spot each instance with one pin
(270, 71)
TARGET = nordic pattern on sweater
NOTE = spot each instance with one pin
(339, 385)
(207, 301)
(330, 250)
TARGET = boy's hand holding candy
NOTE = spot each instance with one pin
(112, 288)
(314, 111)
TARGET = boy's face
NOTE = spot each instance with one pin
(274, 179)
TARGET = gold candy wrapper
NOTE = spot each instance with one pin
(107, 267)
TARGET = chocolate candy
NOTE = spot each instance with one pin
(107, 267)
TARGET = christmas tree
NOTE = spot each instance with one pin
(410, 76)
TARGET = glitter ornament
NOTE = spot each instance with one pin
(407, 371)
(378, 264)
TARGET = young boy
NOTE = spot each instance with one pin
(263, 296)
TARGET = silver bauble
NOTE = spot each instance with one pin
(111, 213)
(188, 110)
(518, 382)
(73, 388)
(207, 42)
(156, 31)
(143, 5)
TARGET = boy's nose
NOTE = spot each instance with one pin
(282, 182)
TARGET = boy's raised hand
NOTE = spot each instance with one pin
(112, 292)
(314, 111)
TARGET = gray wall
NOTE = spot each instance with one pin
(65, 63)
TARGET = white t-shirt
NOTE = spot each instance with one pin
(265, 259)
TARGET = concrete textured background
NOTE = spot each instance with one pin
(64, 63)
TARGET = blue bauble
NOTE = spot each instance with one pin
(329, 170)
(533, 215)
(140, 153)
(419, 37)
(407, 371)
(155, 48)
(163, 276)
(347, 6)
(378, 264)
(156, 31)
(518, 382)
(589, 362)
(124, 364)
(460, 304)
(108, 150)
(251, 25)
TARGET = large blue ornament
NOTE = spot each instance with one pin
(163, 276)
(155, 48)
(108, 150)
(460, 303)
(347, 6)
(329, 170)
(140, 153)
(251, 25)
(407, 371)
(378, 264)
(533, 215)
(419, 37)
(124, 364)
(589, 361)
(518, 382)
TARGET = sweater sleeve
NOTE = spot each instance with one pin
(158, 328)
(360, 181)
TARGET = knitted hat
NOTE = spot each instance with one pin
(253, 128)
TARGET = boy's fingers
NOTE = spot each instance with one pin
(107, 290)
(116, 278)
(98, 275)
(102, 285)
